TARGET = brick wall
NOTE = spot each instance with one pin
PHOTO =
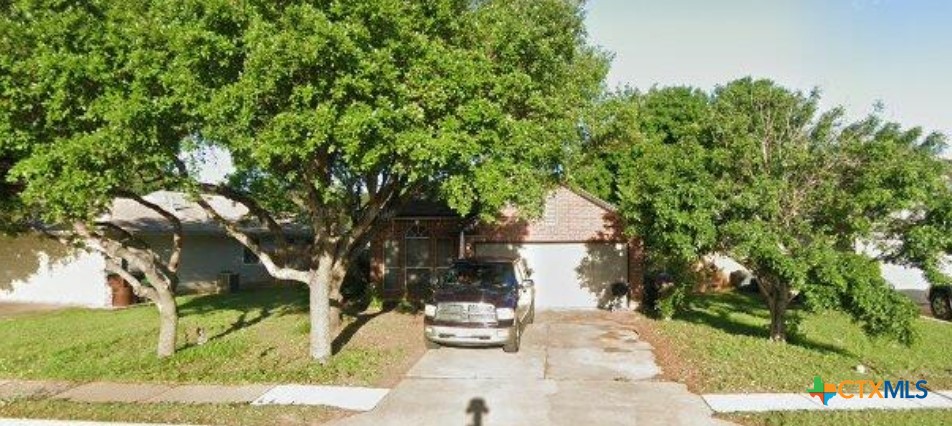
(568, 217)
(636, 269)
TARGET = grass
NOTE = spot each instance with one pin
(257, 336)
(845, 418)
(720, 345)
(206, 414)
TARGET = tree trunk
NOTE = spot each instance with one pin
(325, 318)
(336, 300)
(334, 314)
(778, 332)
(319, 313)
(168, 322)
(778, 297)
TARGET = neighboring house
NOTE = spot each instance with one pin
(574, 251)
(38, 269)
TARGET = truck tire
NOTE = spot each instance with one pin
(940, 301)
(512, 346)
(430, 344)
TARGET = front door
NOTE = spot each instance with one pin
(418, 262)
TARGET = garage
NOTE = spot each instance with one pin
(575, 249)
(567, 275)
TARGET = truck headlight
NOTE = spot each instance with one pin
(503, 314)
(429, 310)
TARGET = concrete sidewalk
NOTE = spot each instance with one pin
(33, 422)
(348, 398)
(760, 402)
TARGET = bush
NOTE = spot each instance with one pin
(671, 298)
(667, 288)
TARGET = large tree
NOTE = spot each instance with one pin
(94, 108)
(342, 110)
(807, 203)
(805, 192)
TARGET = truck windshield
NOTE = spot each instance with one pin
(487, 275)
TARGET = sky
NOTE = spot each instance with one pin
(857, 52)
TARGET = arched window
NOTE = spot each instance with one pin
(417, 231)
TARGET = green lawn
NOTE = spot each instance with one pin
(846, 418)
(255, 337)
(205, 414)
(720, 345)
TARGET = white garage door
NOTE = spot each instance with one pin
(567, 275)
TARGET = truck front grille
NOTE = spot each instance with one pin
(466, 312)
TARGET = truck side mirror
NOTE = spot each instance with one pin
(527, 284)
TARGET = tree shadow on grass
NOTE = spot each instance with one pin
(269, 302)
(240, 323)
(243, 322)
(277, 300)
(254, 305)
(347, 333)
(719, 312)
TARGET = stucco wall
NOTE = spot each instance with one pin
(204, 257)
(35, 269)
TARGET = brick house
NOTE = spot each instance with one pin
(574, 252)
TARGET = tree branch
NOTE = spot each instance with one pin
(233, 230)
(126, 235)
(177, 231)
(136, 284)
(143, 259)
(273, 226)
(369, 220)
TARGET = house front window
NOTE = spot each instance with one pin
(415, 254)
(391, 265)
(418, 260)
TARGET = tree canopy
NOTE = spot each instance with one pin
(806, 201)
(95, 106)
(338, 112)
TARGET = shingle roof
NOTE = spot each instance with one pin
(422, 207)
(137, 218)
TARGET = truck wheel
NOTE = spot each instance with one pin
(941, 303)
(430, 344)
(512, 346)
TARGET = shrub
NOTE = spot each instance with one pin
(671, 299)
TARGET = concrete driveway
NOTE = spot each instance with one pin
(574, 368)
